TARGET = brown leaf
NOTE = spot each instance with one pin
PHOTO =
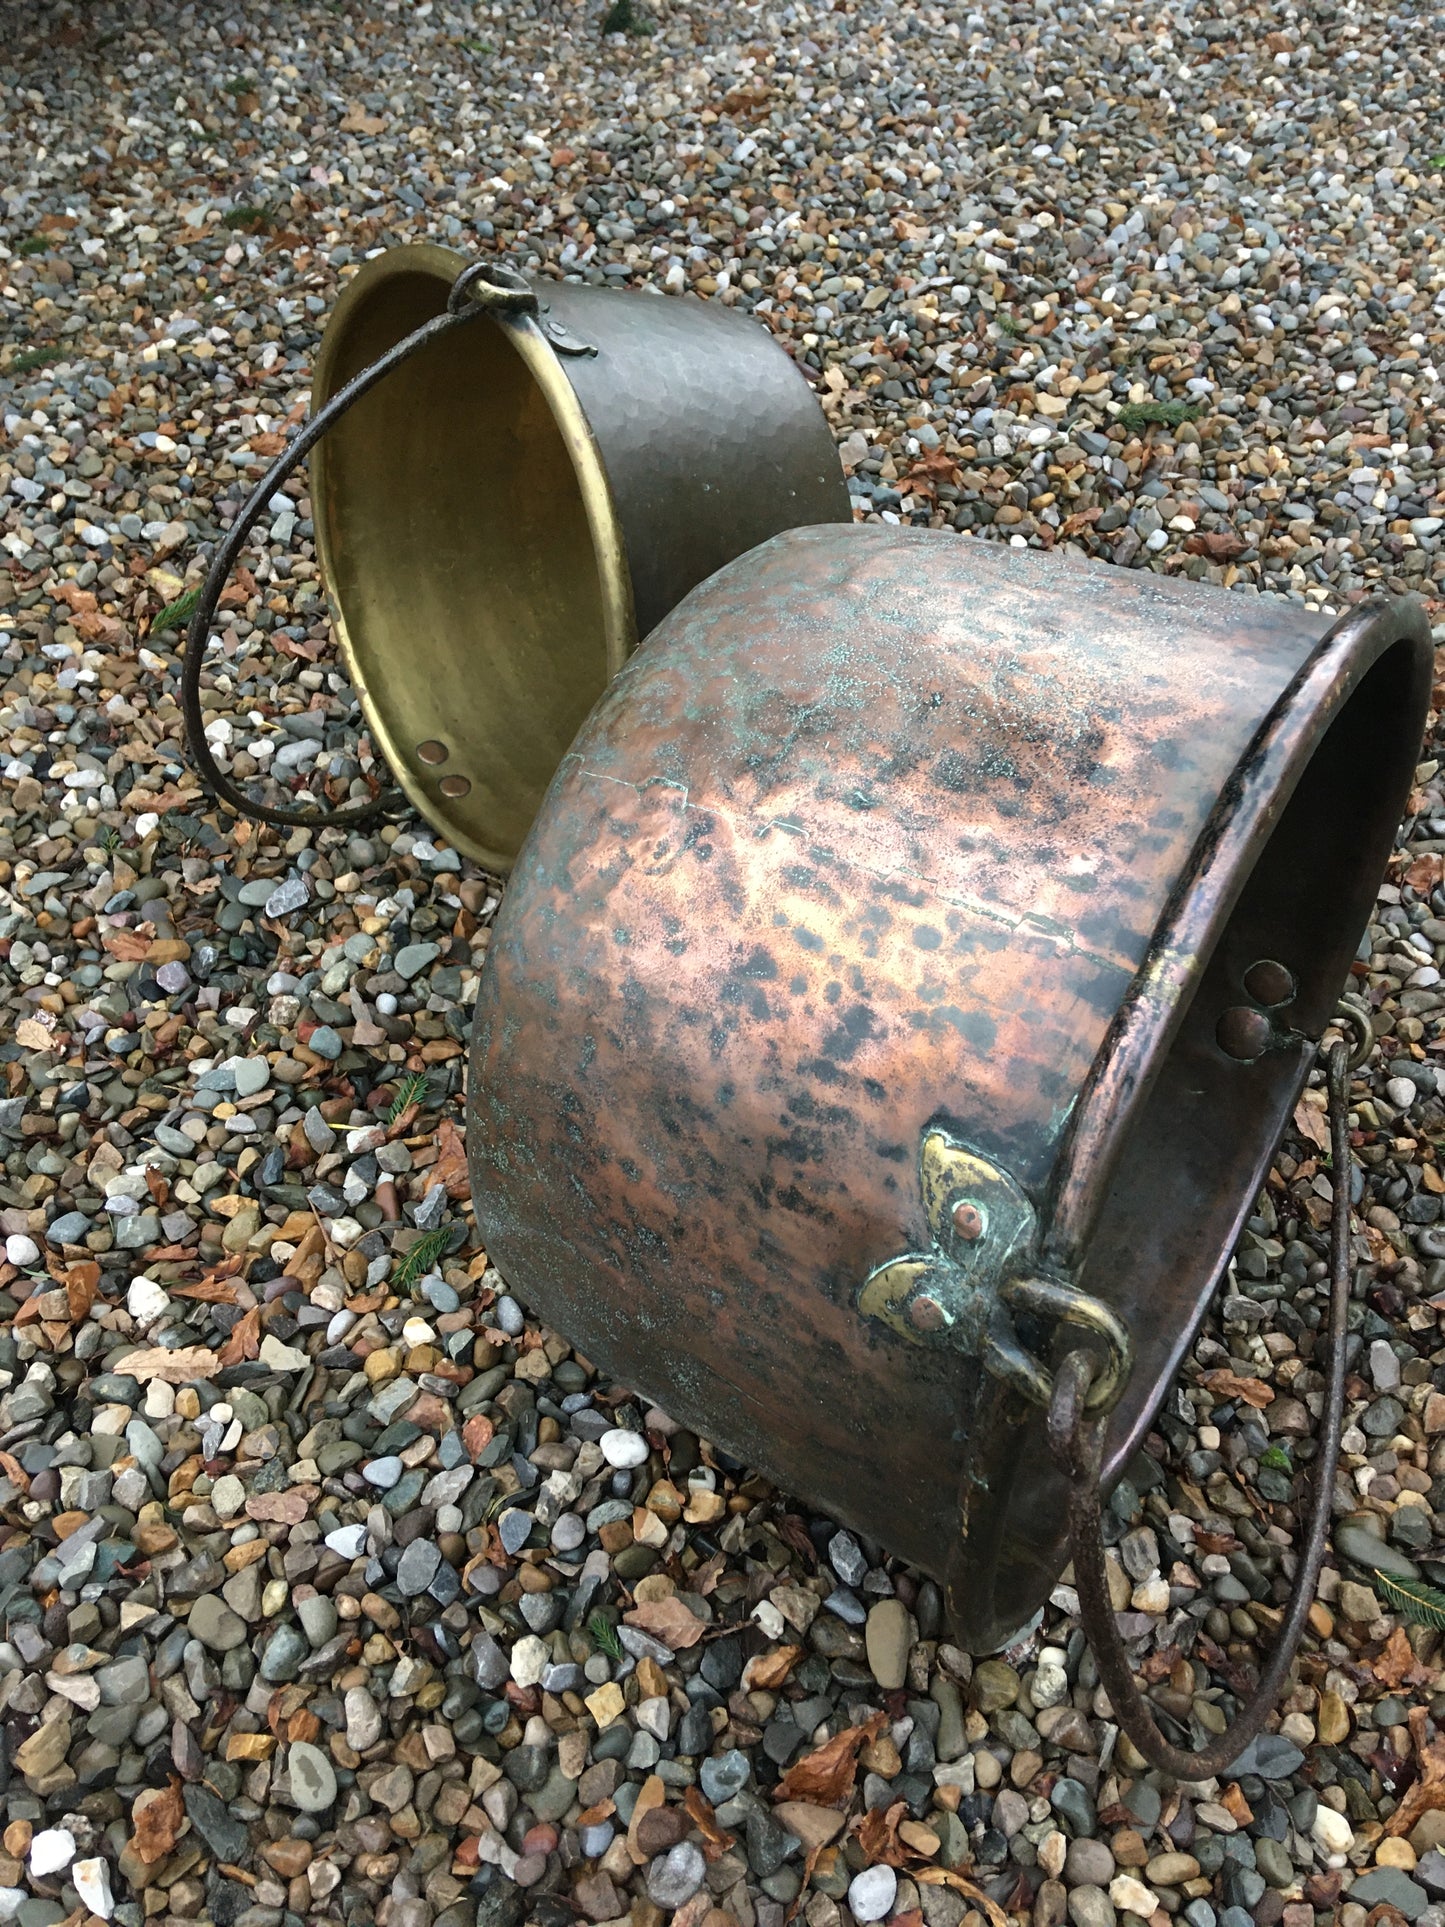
(1226, 1384)
(356, 120)
(668, 1620)
(1425, 872)
(1220, 545)
(129, 946)
(158, 1823)
(1396, 1665)
(81, 1284)
(769, 1670)
(945, 1877)
(1427, 1795)
(1080, 519)
(700, 1812)
(1311, 1123)
(826, 1776)
(175, 1368)
(208, 1290)
(450, 1168)
(877, 1835)
(793, 1530)
(244, 1343)
(156, 1185)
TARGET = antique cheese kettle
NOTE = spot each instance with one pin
(522, 478)
(894, 1010)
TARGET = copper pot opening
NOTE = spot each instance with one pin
(1190, 1163)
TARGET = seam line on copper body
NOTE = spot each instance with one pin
(1027, 921)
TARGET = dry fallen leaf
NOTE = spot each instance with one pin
(944, 1877)
(356, 120)
(668, 1620)
(1227, 1384)
(1313, 1124)
(699, 1810)
(158, 1823)
(877, 1835)
(175, 1368)
(1396, 1665)
(1425, 873)
(1427, 1795)
(767, 1671)
(244, 1343)
(81, 1284)
(826, 1777)
(450, 1168)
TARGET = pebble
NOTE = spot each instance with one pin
(312, 1777)
(871, 1893)
(369, 1509)
(624, 1449)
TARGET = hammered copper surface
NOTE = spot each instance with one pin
(886, 830)
(499, 520)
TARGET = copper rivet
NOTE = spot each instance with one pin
(432, 751)
(967, 1220)
(1269, 983)
(926, 1315)
(455, 786)
(1244, 1033)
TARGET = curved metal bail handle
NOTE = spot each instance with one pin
(482, 288)
(1077, 1442)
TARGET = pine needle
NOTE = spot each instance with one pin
(424, 1254)
(604, 1635)
(1422, 1605)
(176, 614)
(408, 1092)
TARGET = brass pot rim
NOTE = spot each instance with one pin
(542, 364)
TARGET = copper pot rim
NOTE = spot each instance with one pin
(545, 369)
(1139, 1039)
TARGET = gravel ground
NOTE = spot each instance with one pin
(333, 1587)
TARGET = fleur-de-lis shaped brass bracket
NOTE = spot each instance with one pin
(964, 1292)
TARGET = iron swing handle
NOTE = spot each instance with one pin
(1076, 1439)
(481, 288)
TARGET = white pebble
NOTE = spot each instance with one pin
(92, 1882)
(146, 1301)
(21, 1250)
(1333, 1830)
(51, 1850)
(872, 1893)
(349, 1541)
(1401, 1092)
(622, 1448)
(531, 1657)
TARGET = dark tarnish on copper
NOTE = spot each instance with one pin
(889, 839)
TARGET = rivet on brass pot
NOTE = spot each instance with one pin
(503, 517)
(876, 1024)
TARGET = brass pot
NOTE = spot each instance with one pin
(915, 960)
(503, 516)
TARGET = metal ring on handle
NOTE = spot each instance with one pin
(481, 288)
(1355, 1015)
(1077, 1442)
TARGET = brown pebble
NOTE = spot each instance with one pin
(661, 1828)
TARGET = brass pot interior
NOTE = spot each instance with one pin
(458, 509)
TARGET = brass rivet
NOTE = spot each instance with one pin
(1243, 1033)
(455, 786)
(926, 1315)
(433, 752)
(967, 1220)
(1269, 983)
